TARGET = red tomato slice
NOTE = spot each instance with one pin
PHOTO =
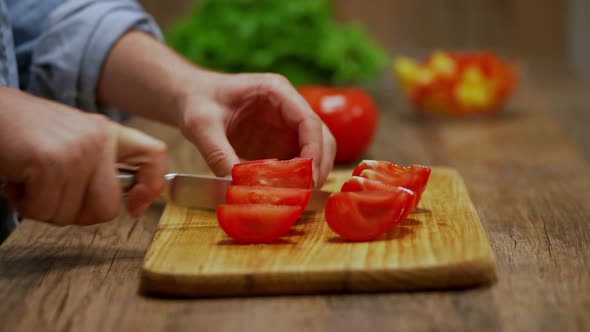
(377, 165)
(257, 223)
(357, 183)
(364, 216)
(293, 173)
(414, 178)
(268, 195)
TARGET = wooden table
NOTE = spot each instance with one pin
(526, 170)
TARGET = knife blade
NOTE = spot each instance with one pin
(205, 192)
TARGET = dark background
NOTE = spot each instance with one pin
(543, 33)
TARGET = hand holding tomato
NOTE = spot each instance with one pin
(350, 114)
(253, 116)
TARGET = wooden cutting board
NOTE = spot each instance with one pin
(441, 245)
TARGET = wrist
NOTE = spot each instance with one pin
(141, 76)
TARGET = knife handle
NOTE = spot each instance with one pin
(126, 179)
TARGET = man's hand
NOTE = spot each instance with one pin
(226, 116)
(60, 163)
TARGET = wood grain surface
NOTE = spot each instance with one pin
(526, 171)
(441, 245)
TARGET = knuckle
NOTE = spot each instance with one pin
(191, 123)
(104, 214)
(94, 141)
(159, 148)
(274, 80)
(101, 125)
(43, 160)
(45, 156)
(109, 214)
(97, 138)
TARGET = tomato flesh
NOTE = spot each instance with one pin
(293, 173)
(257, 223)
(377, 165)
(357, 183)
(366, 215)
(268, 195)
(414, 178)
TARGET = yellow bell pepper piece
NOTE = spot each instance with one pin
(406, 70)
(442, 65)
(473, 75)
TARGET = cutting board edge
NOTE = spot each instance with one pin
(467, 274)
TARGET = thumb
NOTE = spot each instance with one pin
(208, 135)
(135, 148)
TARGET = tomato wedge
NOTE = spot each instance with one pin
(377, 165)
(414, 178)
(293, 173)
(357, 183)
(257, 223)
(268, 195)
(365, 215)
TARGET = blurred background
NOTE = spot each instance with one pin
(547, 35)
(544, 44)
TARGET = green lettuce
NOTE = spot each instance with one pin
(298, 39)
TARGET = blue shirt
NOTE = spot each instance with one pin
(55, 49)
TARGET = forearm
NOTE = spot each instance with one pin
(144, 77)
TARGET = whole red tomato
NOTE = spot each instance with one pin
(349, 113)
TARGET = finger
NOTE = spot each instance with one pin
(329, 152)
(309, 128)
(40, 198)
(311, 146)
(102, 198)
(150, 155)
(209, 136)
(72, 196)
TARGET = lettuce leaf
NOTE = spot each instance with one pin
(298, 39)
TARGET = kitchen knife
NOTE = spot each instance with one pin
(205, 192)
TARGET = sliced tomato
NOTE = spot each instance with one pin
(364, 216)
(414, 178)
(293, 173)
(268, 195)
(377, 165)
(357, 183)
(257, 223)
